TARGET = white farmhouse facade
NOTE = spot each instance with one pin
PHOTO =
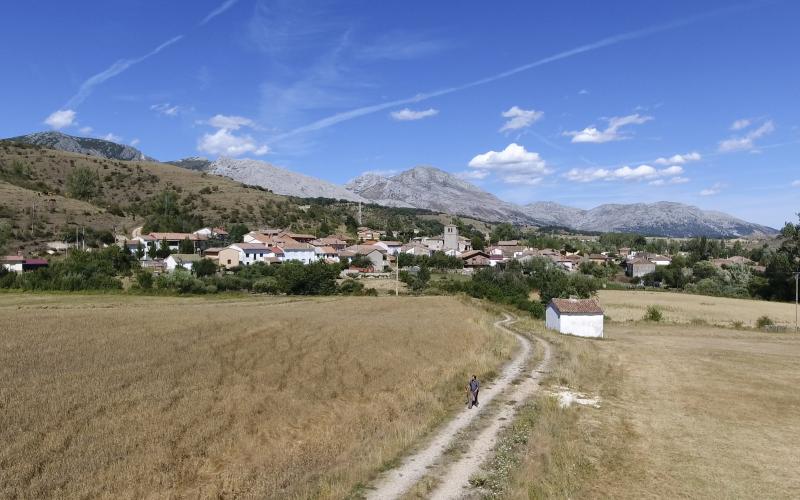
(302, 252)
(391, 247)
(177, 260)
(579, 317)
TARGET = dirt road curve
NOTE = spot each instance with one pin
(395, 482)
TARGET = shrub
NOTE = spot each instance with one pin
(653, 314)
(351, 287)
(266, 285)
(764, 322)
(83, 183)
(144, 279)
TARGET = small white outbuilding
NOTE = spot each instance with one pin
(580, 317)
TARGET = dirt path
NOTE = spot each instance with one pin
(395, 482)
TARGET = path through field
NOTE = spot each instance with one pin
(455, 477)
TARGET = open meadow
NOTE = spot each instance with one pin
(131, 397)
(685, 410)
(627, 305)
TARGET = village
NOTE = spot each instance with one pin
(368, 250)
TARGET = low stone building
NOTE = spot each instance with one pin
(638, 267)
(580, 317)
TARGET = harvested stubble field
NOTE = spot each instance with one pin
(631, 305)
(125, 397)
(686, 411)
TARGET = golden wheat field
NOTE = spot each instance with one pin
(124, 397)
(627, 305)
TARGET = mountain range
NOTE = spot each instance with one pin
(83, 145)
(434, 189)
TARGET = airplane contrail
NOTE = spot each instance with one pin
(121, 65)
(605, 42)
(219, 10)
(113, 70)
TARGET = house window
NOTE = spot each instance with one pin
(229, 261)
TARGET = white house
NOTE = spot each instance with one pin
(415, 249)
(391, 247)
(244, 254)
(13, 263)
(580, 317)
(328, 254)
(183, 260)
(303, 252)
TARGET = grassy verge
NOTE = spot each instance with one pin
(550, 451)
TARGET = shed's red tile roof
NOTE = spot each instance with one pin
(576, 306)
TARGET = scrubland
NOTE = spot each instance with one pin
(126, 397)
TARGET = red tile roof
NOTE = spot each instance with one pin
(576, 306)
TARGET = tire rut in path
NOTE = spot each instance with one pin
(397, 481)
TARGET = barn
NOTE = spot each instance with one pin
(580, 317)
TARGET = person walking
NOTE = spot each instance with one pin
(472, 389)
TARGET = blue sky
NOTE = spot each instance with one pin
(581, 102)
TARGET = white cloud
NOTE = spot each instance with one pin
(626, 173)
(166, 109)
(711, 191)
(60, 119)
(230, 122)
(87, 130)
(224, 142)
(520, 118)
(592, 134)
(796, 183)
(112, 137)
(672, 180)
(679, 159)
(406, 114)
(514, 165)
(740, 124)
(746, 142)
(135, 142)
(583, 92)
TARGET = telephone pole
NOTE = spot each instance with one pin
(796, 296)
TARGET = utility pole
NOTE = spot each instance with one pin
(397, 276)
(796, 277)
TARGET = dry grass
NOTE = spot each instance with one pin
(173, 397)
(698, 412)
(624, 305)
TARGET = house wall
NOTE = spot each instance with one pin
(637, 270)
(229, 258)
(305, 256)
(582, 325)
(377, 259)
(551, 319)
(14, 268)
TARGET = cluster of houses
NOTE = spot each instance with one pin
(18, 263)
(274, 246)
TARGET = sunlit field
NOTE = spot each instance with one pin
(624, 305)
(157, 397)
(686, 410)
